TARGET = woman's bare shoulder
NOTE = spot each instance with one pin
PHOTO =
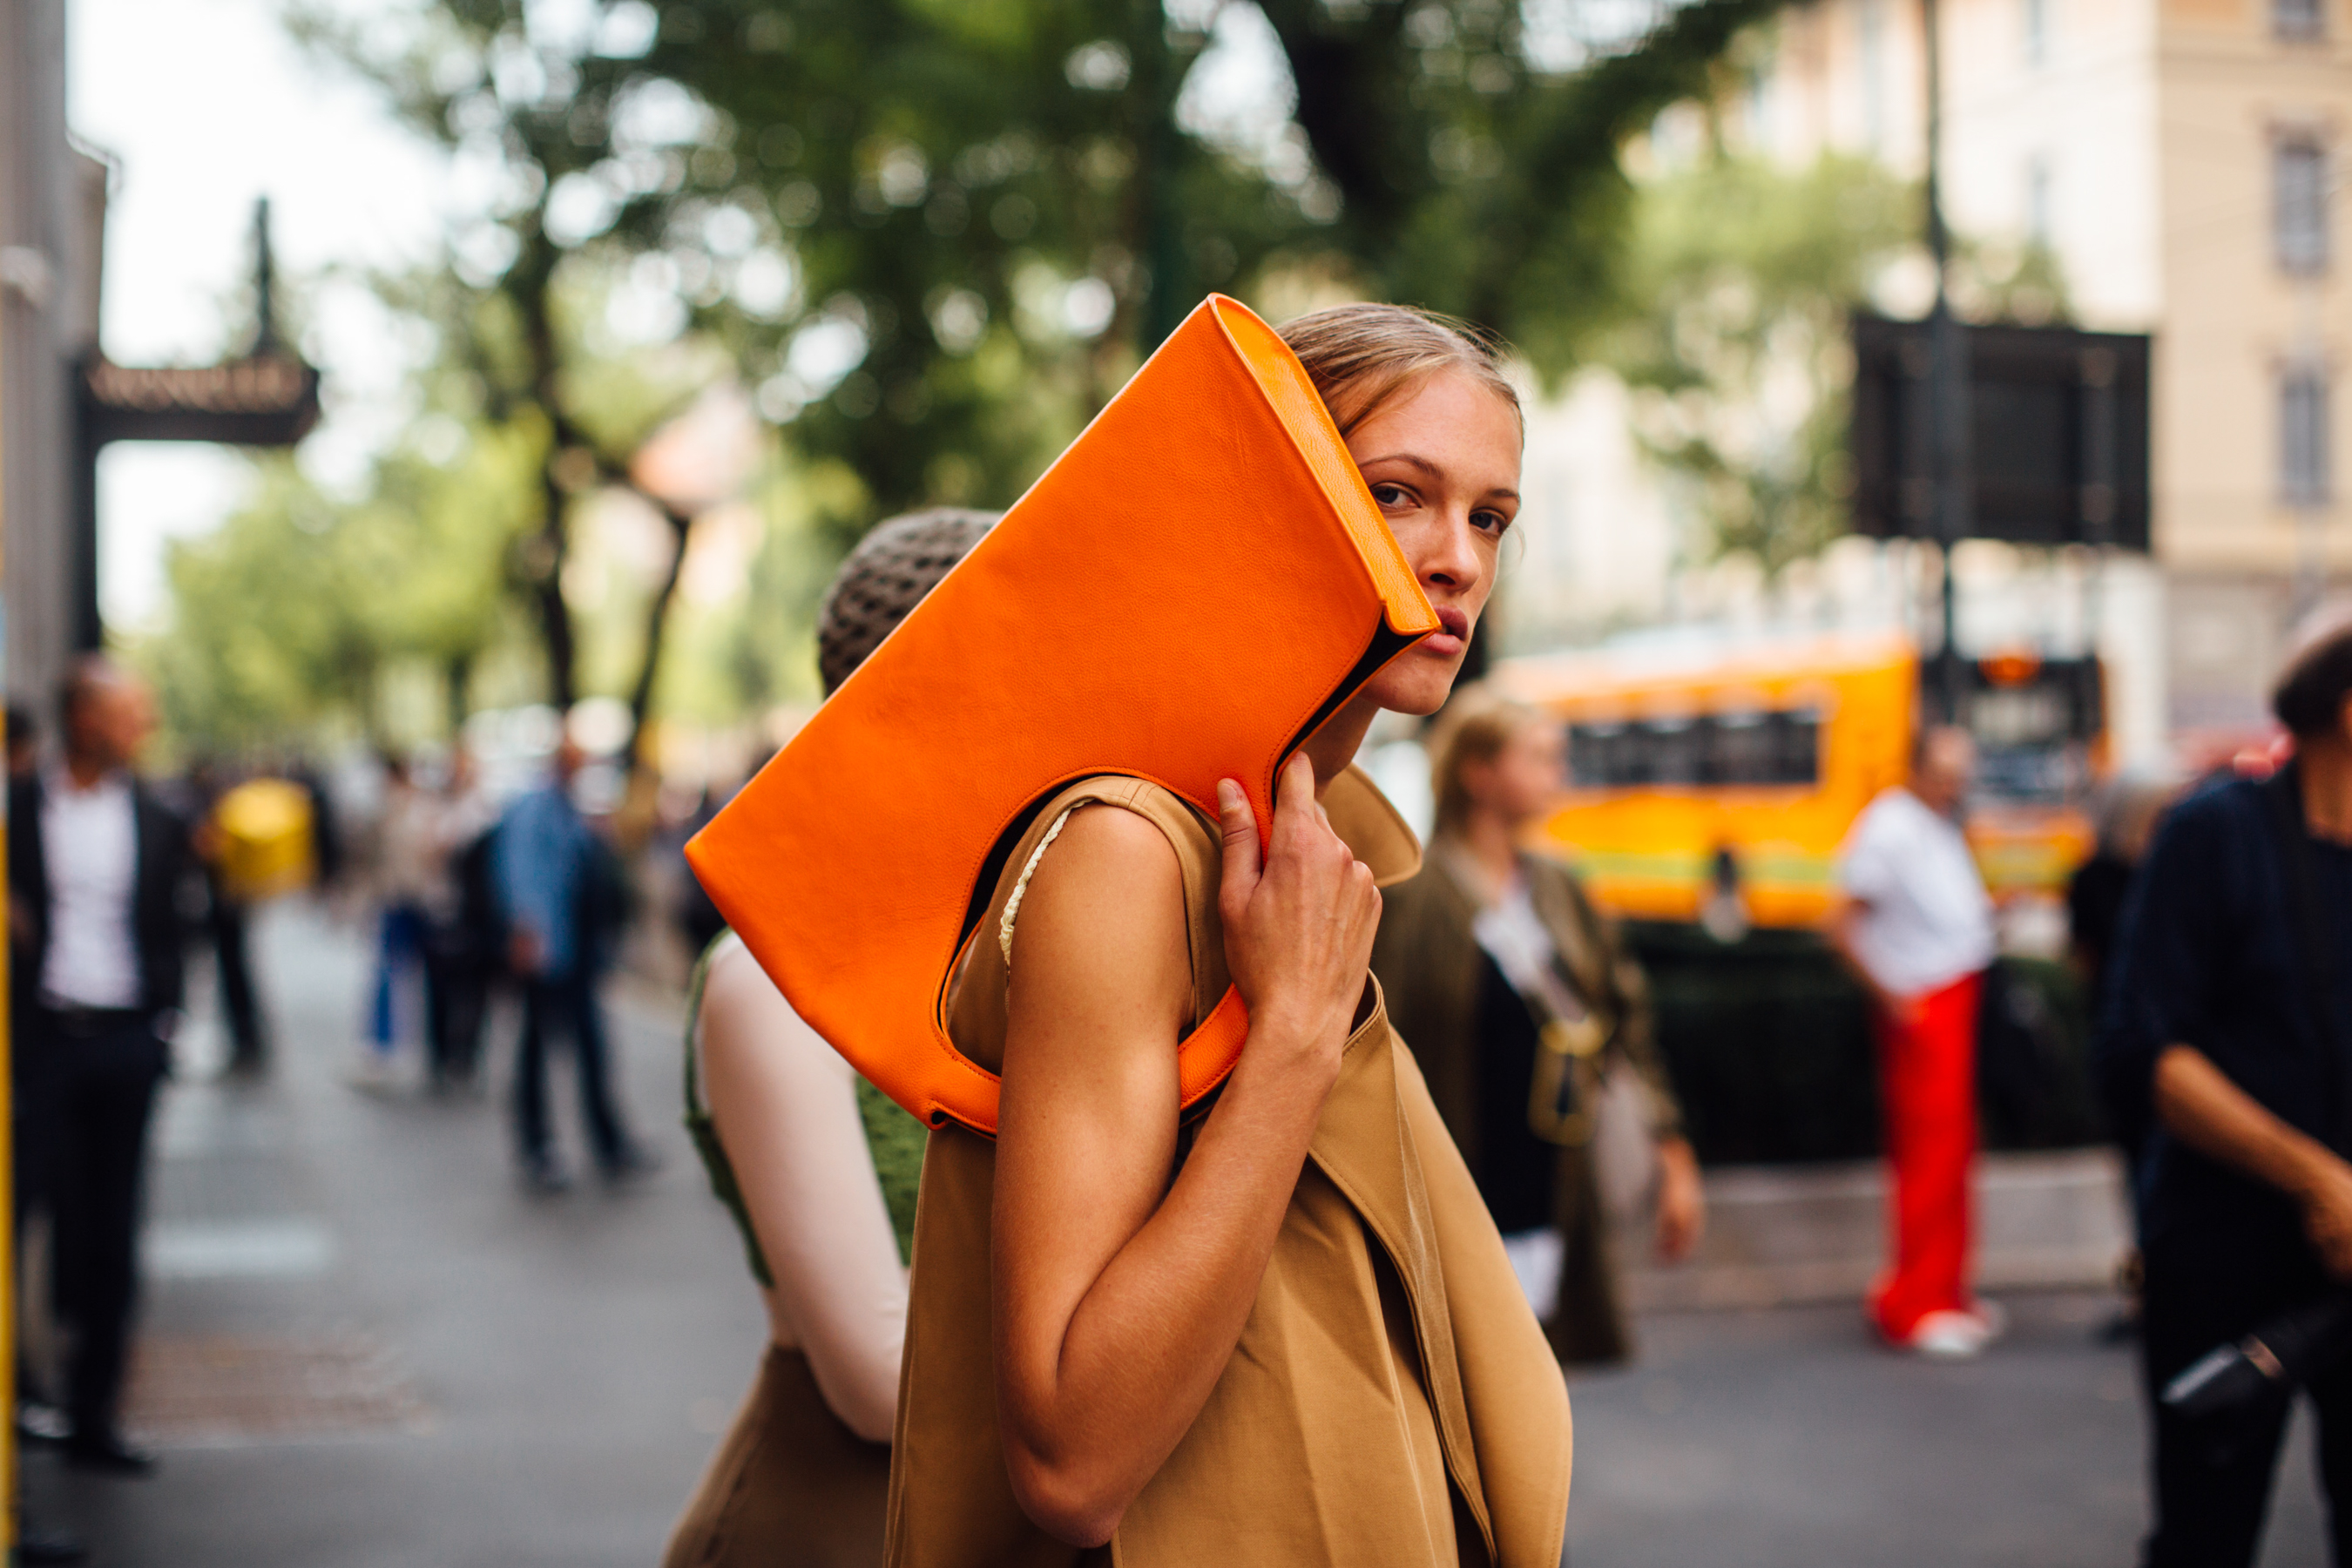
(742, 1011)
(1108, 893)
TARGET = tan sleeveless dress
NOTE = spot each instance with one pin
(1392, 1400)
(790, 1486)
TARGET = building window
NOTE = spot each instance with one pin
(2037, 200)
(2303, 436)
(2297, 18)
(1872, 45)
(2299, 204)
(2037, 29)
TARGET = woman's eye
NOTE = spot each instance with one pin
(1392, 495)
(1492, 521)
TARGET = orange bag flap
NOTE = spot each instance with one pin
(1198, 582)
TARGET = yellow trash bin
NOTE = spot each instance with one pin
(264, 833)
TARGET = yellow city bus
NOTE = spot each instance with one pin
(1703, 772)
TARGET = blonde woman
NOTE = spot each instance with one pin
(1522, 1001)
(1285, 1331)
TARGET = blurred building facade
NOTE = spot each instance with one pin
(52, 219)
(2179, 158)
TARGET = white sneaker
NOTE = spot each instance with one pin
(1991, 1314)
(1949, 1335)
(372, 1073)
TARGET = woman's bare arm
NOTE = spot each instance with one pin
(786, 1106)
(1119, 1297)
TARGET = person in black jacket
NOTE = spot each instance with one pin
(95, 864)
(2227, 1038)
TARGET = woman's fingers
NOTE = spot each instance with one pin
(1239, 824)
(1300, 915)
(1295, 810)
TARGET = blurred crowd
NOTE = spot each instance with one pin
(125, 884)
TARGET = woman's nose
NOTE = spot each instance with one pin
(1453, 557)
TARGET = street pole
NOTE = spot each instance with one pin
(2310, 589)
(1948, 383)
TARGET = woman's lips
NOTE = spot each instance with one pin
(1452, 633)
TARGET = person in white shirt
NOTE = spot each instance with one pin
(1915, 924)
(95, 864)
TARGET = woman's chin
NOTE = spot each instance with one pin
(1416, 685)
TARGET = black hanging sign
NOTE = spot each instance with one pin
(2057, 433)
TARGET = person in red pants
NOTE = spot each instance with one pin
(1915, 924)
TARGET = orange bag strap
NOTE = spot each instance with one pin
(1206, 1056)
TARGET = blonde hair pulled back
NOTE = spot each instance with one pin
(1361, 357)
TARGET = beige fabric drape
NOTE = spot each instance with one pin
(790, 1486)
(1392, 1400)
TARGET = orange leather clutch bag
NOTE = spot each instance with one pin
(1184, 595)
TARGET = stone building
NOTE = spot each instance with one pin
(2182, 159)
(52, 217)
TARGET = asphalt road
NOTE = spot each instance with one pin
(366, 1345)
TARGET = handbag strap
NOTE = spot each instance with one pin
(2282, 795)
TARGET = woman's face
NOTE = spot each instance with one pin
(1525, 778)
(1443, 461)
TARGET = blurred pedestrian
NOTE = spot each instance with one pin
(326, 830)
(95, 867)
(464, 935)
(226, 925)
(409, 864)
(1914, 925)
(23, 742)
(819, 1169)
(2095, 896)
(1533, 1024)
(2127, 821)
(2228, 1033)
(558, 884)
(34, 1417)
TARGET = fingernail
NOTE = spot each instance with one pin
(1229, 795)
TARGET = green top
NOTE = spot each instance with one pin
(894, 1139)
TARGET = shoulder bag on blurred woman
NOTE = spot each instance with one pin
(1533, 1024)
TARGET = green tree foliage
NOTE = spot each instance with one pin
(286, 619)
(1737, 281)
(931, 237)
(997, 206)
(987, 211)
(1476, 144)
(580, 178)
(1730, 311)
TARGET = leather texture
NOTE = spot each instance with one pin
(1197, 580)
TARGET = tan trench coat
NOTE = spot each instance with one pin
(1429, 966)
(1392, 1400)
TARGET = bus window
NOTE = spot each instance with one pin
(1797, 749)
(1748, 749)
(1675, 750)
(1592, 754)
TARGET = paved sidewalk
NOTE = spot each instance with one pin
(365, 1344)
(1785, 1438)
(366, 1347)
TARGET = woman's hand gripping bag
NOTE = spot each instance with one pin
(1183, 596)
